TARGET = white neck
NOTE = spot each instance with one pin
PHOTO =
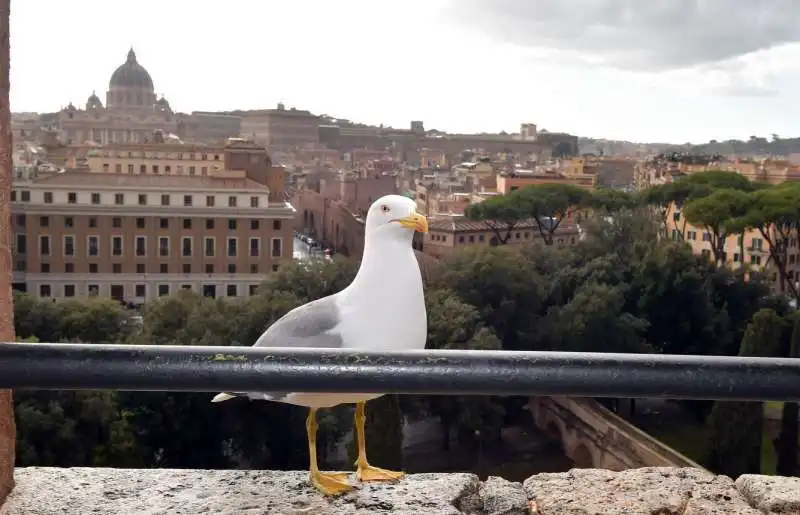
(388, 260)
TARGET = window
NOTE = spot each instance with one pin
(116, 245)
(231, 268)
(231, 290)
(44, 268)
(69, 268)
(186, 246)
(254, 268)
(45, 290)
(163, 268)
(210, 246)
(44, 245)
(141, 246)
(69, 290)
(93, 245)
(93, 222)
(187, 223)
(209, 200)
(275, 268)
(130, 168)
(254, 225)
(209, 290)
(118, 168)
(186, 268)
(142, 199)
(232, 201)
(140, 268)
(69, 245)
(116, 268)
(94, 290)
(116, 222)
(119, 199)
(209, 223)
(72, 198)
(44, 221)
(164, 200)
(232, 244)
(252, 289)
(163, 290)
(140, 290)
(276, 225)
(95, 198)
(140, 223)
(93, 268)
(155, 168)
(22, 244)
(48, 197)
(21, 220)
(231, 224)
(187, 200)
(253, 201)
(209, 268)
(163, 246)
(192, 170)
(255, 247)
(277, 247)
(163, 223)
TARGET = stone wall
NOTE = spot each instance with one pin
(7, 435)
(645, 491)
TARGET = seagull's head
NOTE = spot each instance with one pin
(395, 216)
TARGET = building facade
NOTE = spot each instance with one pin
(135, 224)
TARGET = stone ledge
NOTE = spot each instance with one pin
(646, 491)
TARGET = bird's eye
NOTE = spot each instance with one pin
(385, 208)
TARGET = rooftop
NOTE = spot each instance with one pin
(101, 180)
(460, 224)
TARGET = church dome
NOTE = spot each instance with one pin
(131, 75)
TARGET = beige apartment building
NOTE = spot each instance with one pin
(138, 222)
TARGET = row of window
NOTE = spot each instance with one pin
(69, 246)
(156, 169)
(142, 199)
(142, 154)
(163, 268)
(141, 223)
(140, 290)
(755, 243)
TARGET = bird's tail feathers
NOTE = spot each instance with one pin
(223, 397)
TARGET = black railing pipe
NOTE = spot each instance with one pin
(245, 369)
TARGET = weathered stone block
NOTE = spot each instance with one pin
(771, 494)
(645, 491)
(7, 436)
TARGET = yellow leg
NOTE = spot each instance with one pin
(365, 471)
(328, 484)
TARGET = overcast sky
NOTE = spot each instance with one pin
(642, 70)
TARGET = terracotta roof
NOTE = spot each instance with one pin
(155, 181)
(457, 224)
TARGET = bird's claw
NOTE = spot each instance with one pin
(370, 473)
(332, 483)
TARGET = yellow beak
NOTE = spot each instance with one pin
(414, 221)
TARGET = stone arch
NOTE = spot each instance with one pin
(582, 457)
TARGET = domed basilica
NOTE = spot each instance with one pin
(132, 112)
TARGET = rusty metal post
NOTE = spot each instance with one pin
(7, 431)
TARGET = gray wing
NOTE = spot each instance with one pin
(309, 325)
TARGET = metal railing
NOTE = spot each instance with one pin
(57, 366)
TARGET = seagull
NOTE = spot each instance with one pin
(383, 309)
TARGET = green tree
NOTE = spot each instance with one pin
(790, 433)
(717, 213)
(611, 200)
(501, 213)
(453, 324)
(775, 213)
(551, 204)
(735, 428)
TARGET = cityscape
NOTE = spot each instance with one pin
(133, 222)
